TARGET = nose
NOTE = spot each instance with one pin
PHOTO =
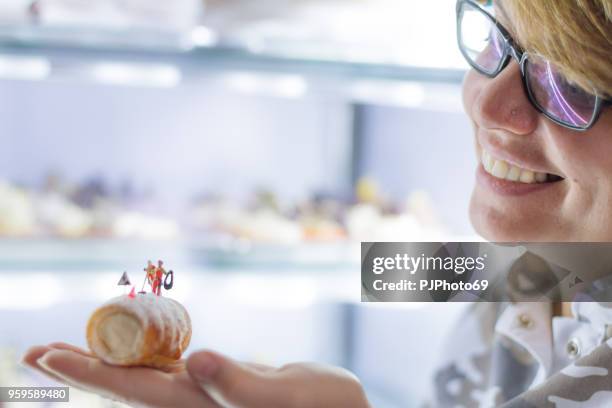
(503, 104)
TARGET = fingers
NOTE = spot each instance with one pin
(137, 386)
(33, 354)
(66, 346)
(260, 367)
(226, 382)
(231, 383)
(30, 359)
(318, 385)
(234, 384)
(134, 385)
(176, 367)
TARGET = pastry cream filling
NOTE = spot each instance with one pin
(122, 335)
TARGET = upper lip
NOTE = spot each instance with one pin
(517, 154)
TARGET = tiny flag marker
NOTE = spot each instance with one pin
(125, 280)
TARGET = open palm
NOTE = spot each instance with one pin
(206, 380)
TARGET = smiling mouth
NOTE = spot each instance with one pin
(503, 170)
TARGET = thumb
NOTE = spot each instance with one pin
(234, 384)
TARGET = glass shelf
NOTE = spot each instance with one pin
(90, 254)
(198, 51)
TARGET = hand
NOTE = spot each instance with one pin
(206, 380)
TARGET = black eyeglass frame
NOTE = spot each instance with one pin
(512, 50)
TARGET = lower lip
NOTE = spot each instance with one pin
(507, 187)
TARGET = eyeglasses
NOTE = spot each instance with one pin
(488, 48)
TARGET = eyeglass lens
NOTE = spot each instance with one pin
(481, 40)
(556, 96)
(485, 48)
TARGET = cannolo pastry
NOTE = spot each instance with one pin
(141, 330)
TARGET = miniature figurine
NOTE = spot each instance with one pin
(149, 275)
(125, 280)
(155, 276)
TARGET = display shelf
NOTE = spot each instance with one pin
(81, 255)
(73, 46)
(86, 254)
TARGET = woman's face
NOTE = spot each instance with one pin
(509, 131)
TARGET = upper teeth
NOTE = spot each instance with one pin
(504, 170)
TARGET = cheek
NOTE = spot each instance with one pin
(470, 90)
(587, 156)
(579, 213)
(586, 160)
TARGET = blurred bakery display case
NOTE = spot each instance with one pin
(261, 231)
(91, 209)
(251, 144)
(321, 231)
(327, 59)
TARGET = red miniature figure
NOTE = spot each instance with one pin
(155, 276)
(160, 274)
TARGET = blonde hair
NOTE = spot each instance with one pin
(576, 35)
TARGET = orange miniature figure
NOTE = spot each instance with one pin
(155, 276)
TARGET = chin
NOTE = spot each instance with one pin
(504, 225)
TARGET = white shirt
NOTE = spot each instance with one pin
(555, 345)
(499, 353)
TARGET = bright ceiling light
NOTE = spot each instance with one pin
(25, 68)
(30, 291)
(146, 75)
(406, 94)
(202, 36)
(284, 86)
